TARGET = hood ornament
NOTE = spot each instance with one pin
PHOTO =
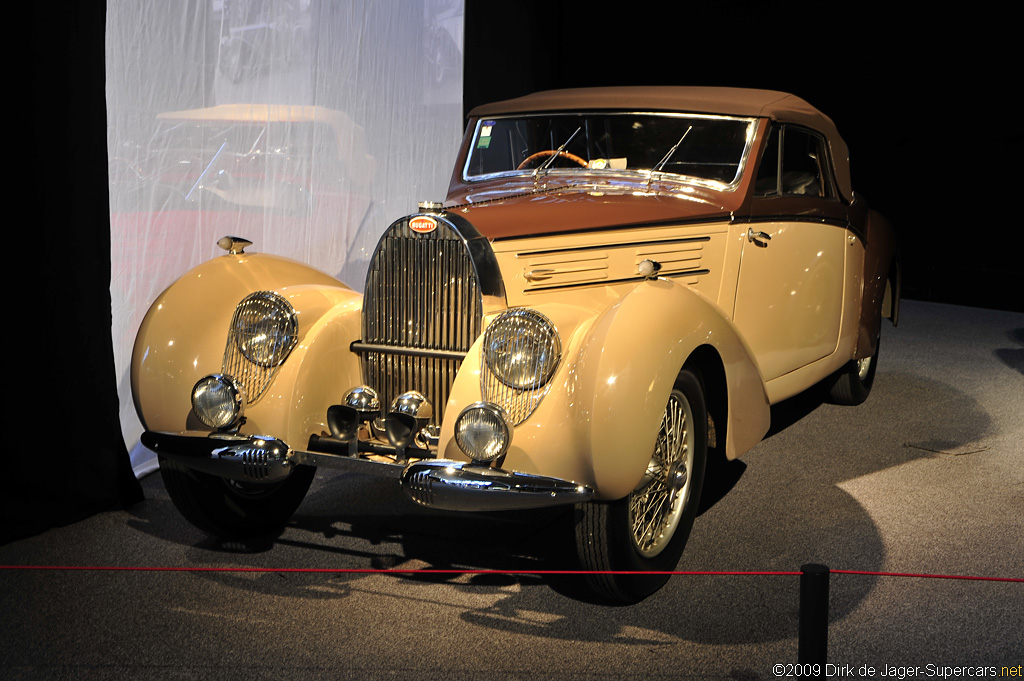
(233, 244)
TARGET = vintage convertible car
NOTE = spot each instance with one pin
(618, 285)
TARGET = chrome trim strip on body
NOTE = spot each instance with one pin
(609, 282)
(818, 219)
(448, 485)
(361, 347)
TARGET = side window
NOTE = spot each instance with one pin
(767, 182)
(800, 170)
(804, 161)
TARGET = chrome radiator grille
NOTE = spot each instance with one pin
(421, 313)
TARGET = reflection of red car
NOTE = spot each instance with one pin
(258, 155)
(242, 168)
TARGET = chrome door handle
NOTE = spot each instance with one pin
(759, 238)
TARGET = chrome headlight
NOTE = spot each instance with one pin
(522, 348)
(483, 431)
(218, 401)
(265, 328)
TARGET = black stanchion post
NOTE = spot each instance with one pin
(813, 627)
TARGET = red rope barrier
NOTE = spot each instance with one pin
(434, 571)
(928, 576)
(426, 571)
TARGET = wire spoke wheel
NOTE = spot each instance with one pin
(624, 541)
(657, 504)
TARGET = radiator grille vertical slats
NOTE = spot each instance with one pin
(421, 294)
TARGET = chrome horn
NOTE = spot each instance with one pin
(359, 406)
(410, 412)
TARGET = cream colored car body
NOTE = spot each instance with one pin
(762, 306)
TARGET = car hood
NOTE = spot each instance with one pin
(575, 208)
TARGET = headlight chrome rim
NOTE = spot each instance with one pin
(265, 328)
(218, 401)
(483, 431)
(522, 349)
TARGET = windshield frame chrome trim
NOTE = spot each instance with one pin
(642, 175)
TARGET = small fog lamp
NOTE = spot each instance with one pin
(218, 401)
(483, 431)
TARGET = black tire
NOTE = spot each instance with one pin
(851, 385)
(609, 537)
(230, 509)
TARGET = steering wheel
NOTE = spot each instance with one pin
(551, 152)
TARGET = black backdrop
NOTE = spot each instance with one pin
(922, 100)
(67, 458)
(921, 97)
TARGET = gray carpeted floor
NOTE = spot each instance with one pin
(926, 477)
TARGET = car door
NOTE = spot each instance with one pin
(789, 296)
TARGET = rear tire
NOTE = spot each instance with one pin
(851, 385)
(647, 530)
(234, 510)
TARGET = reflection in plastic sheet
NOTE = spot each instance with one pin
(304, 126)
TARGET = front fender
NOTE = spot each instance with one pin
(183, 335)
(598, 423)
(629, 364)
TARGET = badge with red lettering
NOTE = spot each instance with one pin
(421, 224)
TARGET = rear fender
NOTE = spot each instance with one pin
(881, 297)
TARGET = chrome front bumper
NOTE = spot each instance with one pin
(440, 484)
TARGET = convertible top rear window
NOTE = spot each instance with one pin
(711, 149)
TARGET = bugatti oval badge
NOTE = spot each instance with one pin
(422, 224)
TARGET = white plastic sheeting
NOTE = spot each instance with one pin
(305, 126)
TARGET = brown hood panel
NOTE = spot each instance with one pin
(575, 210)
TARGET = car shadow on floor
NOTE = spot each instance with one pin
(782, 508)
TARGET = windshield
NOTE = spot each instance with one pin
(706, 149)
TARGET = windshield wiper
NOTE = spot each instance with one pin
(551, 159)
(664, 159)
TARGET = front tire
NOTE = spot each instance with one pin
(234, 510)
(647, 530)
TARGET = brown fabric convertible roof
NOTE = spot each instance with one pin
(719, 100)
